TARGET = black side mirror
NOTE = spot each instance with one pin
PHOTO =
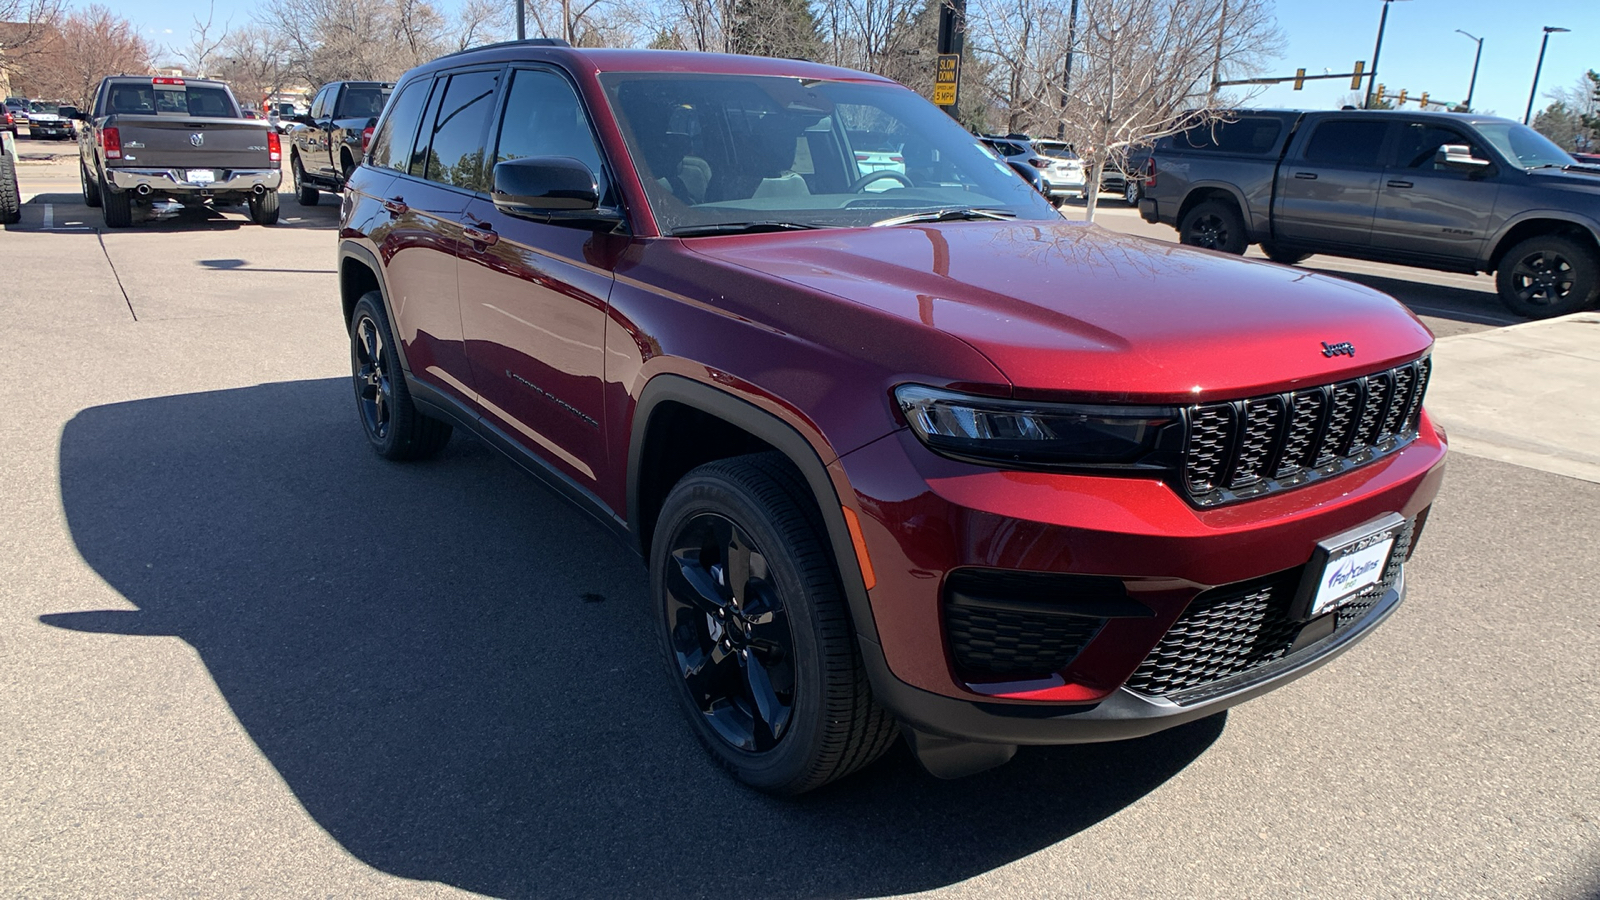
(556, 189)
(70, 112)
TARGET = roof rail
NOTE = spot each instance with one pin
(530, 42)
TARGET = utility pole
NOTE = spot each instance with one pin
(1372, 78)
(1474, 82)
(1216, 61)
(522, 24)
(952, 38)
(1066, 77)
(1548, 30)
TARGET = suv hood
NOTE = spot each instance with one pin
(1072, 308)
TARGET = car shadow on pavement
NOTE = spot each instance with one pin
(70, 208)
(456, 674)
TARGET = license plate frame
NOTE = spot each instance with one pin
(202, 176)
(1345, 564)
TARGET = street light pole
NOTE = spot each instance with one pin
(1372, 77)
(1548, 30)
(1474, 83)
(522, 25)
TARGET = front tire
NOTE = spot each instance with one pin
(755, 628)
(394, 426)
(304, 193)
(1287, 256)
(1548, 275)
(1214, 225)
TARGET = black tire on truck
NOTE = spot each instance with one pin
(264, 208)
(304, 193)
(10, 194)
(755, 629)
(1548, 275)
(1288, 256)
(116, 207)
(1214, 225)
(91, 187)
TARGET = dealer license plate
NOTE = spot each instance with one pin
(1347, 564)
(202, 176)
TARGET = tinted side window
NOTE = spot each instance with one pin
(391, 146)
(543, 117)
(1250, 134)
(362, 102)
(319, 105)
(1350, 143)
(455, 154)
(1419, 145)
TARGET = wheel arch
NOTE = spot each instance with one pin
(359, 273)
(1536, 225)
(729, 426)
(1227, 193)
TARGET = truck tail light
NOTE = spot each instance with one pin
(274, 149)
(366, 138)
(111, 143)
(1150, 172)
(177, 81)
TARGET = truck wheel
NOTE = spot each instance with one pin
(264, 208)
(755, 630)
(10, 194)
(1214, 225)
(116, 207)
(91, 188)
(1130, 192)
(304, 193)
(1548, 275)
(1285, 255)
(393, 425)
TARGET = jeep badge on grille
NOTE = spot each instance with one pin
(1343, 348)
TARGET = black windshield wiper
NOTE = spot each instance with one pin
(945, 215)
(740, 228)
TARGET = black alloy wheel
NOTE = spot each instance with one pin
(755, 629)
(1214, 225)
(1548, 275)
(730, 633)
(394, 426)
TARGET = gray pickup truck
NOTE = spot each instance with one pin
(176, 139)
(1458, 193)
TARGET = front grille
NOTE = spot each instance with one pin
(1233, 629)
(1241, 449)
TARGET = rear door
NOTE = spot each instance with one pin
(1328, 187)
(1428, 208)
(534, 295)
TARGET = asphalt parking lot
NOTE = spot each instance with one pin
(239, 654)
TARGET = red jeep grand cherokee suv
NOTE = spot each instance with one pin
(905, 452)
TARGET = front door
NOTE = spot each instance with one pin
(1430, 209)
(534, 295)
(1328, 191)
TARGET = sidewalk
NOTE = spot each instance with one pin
(1528, 394)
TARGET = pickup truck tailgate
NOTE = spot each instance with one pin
(181, 142)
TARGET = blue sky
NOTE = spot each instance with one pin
(1421, 51)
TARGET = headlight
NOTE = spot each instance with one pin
(1019, 432)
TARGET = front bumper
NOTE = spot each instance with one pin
(174, 182)
(923, 517)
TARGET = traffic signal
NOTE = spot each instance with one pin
(1299, 79)
(1401, 100)
(1423, 100)
(1378, 97)
(1361, 65)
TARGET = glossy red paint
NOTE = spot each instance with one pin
(552, 335)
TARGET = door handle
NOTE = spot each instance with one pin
(396, 205)
(1307, 176)
(481, 235)
(1399, 184)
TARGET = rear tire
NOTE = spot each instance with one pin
(304, 193)
(10, 194)
(116, 207)
(1548, 275)
(394, 426)
(1287, 256)
(91, 187)
(1130, 192)
(264, 208)
(1214, 225)
(756, 631)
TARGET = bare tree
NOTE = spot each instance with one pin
(255, 61)
(25, 26)
(1143, 69)
(205, 39)
(96, 42)
(355, 40)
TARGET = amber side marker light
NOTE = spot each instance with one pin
(862, 559)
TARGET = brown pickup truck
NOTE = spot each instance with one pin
(176, 139)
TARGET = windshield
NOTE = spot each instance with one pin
(722, 149)
(1054, 150)
(1524, 146)
(41, 107)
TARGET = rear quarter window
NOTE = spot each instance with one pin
(1348, 142)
